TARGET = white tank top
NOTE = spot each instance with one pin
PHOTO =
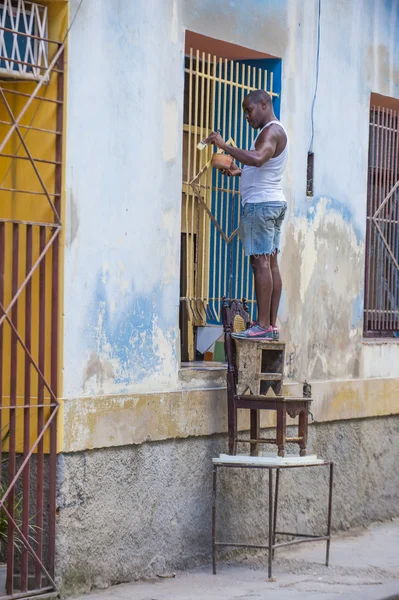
(263, 184)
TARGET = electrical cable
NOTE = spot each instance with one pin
(317, 76)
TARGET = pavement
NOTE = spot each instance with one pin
(364, 565)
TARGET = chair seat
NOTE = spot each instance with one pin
(264, 398)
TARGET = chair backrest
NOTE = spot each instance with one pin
(235, 317)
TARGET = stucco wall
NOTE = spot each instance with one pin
(125, 106)
(139, 511)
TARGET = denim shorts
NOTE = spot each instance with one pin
(260, 227)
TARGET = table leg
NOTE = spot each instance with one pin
(232, 422)
(254, 431)
(330, 491)
(303, 431)
(214, 520)
(270, 555)
(275, 507)
(281, 428)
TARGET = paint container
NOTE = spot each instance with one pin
(221, 161)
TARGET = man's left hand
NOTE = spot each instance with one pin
(216, 139)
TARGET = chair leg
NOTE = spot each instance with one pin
(281, 429)
(303, 431)
(232, 424)
(254, 431)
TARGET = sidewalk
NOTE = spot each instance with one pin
(364, 565)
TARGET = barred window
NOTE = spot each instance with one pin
(381, 302)
(23, 34)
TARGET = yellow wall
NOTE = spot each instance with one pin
(107, 421)
(19, 174)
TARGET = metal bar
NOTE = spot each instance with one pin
(276, 490)
(302, 541)
(40, 411)
(26, 460)
(396, 230)
(27, 411)
(388, 225)
(33, 269)
(235, 191)
(214, 519)
(12, 421)
(258, 441)
(22, 140)
(19, 222)
(385, 243)
(270, 553)
(247, 88)
(240, 466)
(55, 327)
(244, 261)
(26, 543)
(31, 96)
(230, 200)
(22, 406)
(215, 116)
(2, 263)
(330, 491)
(225, 201)
(304, 535)
(220, 290)
(26, 95)
(29, 127)
(30, 593)
(40, 160)
(380, 147)
(204, 266)
(188, 204)
(29, 35)
(239, 545)
(41, 376)
(13, 61)
(194, 238)
(371, 210)
(384, 191)
(248, 138)
(19, 191)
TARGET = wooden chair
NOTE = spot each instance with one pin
(258, 366)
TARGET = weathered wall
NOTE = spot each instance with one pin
(139, 511)
(125, 105)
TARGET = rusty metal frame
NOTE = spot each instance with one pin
(271, 546)
(36, 563)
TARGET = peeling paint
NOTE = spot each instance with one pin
(322, 269)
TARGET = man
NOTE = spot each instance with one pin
(263, 205)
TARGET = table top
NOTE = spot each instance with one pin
(269, 462)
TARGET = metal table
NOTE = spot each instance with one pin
(300, 538)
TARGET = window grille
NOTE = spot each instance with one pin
(23, 40)
(381, 303)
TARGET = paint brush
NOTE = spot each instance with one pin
(204, 144)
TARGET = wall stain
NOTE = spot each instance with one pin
(98, 368)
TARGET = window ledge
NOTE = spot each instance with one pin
(205, 365)
(379, 341)
(202, 375)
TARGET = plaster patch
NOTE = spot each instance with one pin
(72, 220)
